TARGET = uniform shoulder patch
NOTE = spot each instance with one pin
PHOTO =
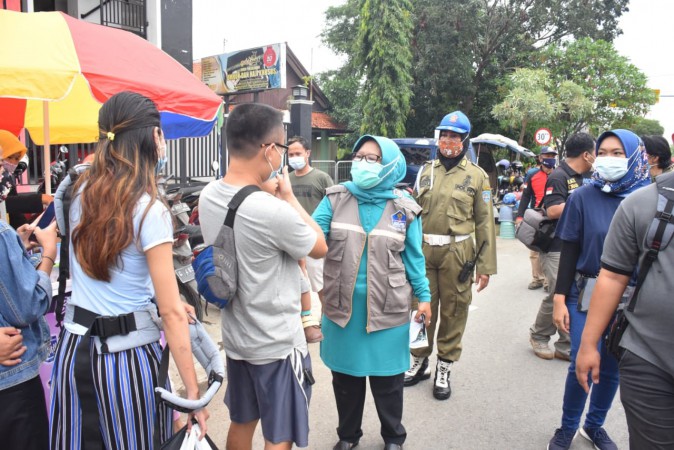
(486, 196)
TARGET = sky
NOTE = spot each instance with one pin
(646, 38)
(647, 42)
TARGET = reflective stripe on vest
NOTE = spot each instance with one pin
(389, 294)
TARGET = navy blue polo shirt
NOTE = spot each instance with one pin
(585, 220)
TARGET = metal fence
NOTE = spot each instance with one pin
(326, 166)
(130, 15)
(339, 170)
(193, 157)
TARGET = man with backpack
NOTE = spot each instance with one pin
(640, 236)
(268, 364)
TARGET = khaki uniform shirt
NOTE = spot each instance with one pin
(459, 203)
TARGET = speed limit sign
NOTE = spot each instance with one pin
(543, 136)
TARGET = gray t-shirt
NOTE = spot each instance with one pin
(262, 323)
(650, 334)
(310, 188)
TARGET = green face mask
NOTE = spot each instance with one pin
(366, 175)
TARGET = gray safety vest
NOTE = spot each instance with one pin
(389, 294)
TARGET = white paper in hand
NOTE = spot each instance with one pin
(418, 336)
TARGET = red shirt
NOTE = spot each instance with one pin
(537, 183)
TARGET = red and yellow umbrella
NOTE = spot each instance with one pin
(56, 71)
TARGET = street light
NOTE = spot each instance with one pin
(300, 92)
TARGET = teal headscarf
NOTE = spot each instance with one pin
(392, 173)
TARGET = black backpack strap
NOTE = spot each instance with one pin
(663, 218)
(236, 201)
(84, 378)
(162, 377)
(64, 255)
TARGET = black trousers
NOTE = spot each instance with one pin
(388, 398)
(647, 393)
(23, 417)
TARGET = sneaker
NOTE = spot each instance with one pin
(541, 349)
(535, 285)
(599, 438)
(441, 388)
(562, 439)
(562, 355)
(419, 371)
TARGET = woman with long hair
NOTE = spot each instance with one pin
(108, 356)
(620, 169)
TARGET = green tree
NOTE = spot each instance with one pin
(343, 90)
(616, 87)
(462, 48)
(343, 86)
(642, 126)
(528, 100)
(532, 100)
(385, 55)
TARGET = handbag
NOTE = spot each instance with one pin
(661, 226)
(182, 440)
(536, 231)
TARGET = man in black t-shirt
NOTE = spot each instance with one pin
(570, 175)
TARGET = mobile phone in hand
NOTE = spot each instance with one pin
(44, 220)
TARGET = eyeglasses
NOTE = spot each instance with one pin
(368, 158)
(278, 145)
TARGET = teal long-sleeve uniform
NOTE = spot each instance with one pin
(352, 350)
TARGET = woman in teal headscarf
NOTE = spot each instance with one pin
(373, 268)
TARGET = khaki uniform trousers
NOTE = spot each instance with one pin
(537, 273)
(449, 298)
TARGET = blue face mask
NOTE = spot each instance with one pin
(274, 173)
(161, 160)
(161, 163)
(366, 175)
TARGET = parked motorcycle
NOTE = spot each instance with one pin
(58, 171)
(182, 250)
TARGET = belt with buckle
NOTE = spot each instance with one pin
(444, 239)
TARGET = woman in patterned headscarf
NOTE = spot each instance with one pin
(620, 169)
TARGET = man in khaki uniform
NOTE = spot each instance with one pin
(456, 199)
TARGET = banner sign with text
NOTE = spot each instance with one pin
(254, 69)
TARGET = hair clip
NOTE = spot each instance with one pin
(111, 135)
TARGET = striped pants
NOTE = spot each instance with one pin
(124, 383)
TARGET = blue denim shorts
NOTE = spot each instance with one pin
(277, 394)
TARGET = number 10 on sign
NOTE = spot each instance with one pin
(543, 136)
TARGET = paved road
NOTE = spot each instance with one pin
(503, 397)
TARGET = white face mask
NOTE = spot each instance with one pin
(297, 162)
(611, 168)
